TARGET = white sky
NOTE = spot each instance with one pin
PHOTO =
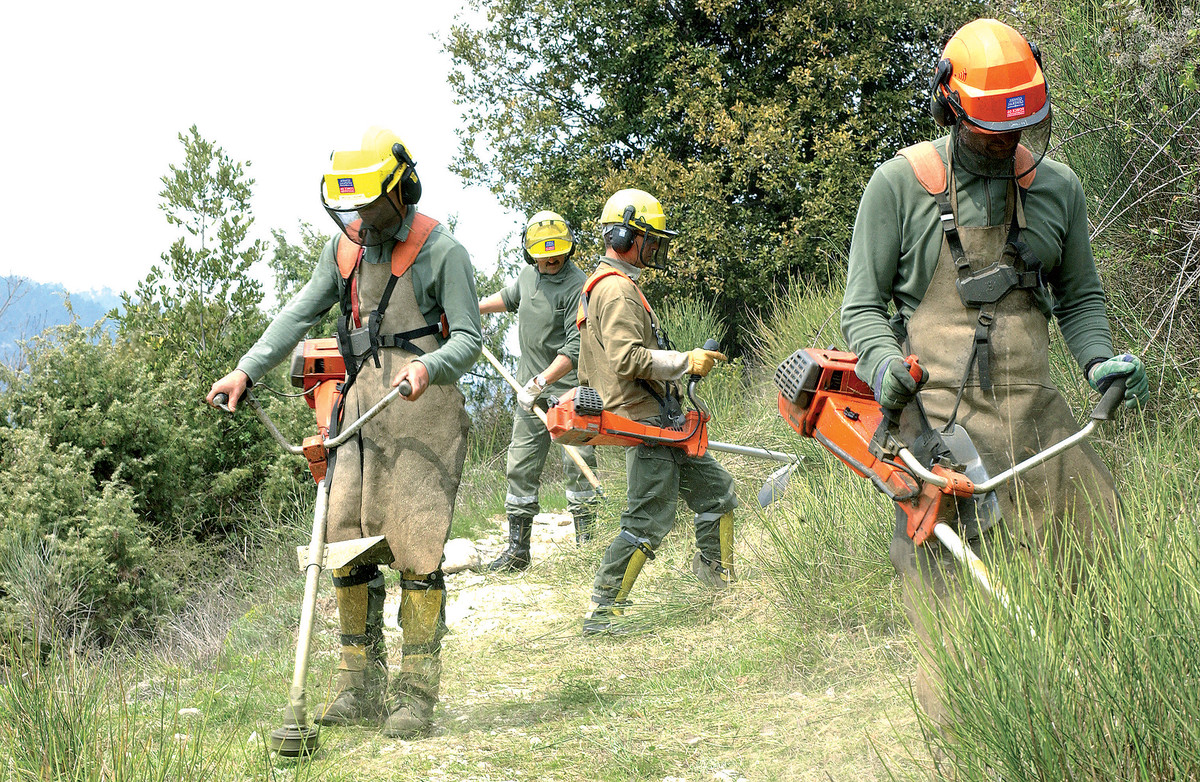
(97, 93)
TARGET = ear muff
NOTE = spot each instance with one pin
(621, 236)
(410, 184)
(939, 107)
(524, 249)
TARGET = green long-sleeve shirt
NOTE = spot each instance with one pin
(443, 281)
(546, 305)
(898, 236)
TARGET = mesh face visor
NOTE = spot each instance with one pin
(656, 242)
(987, 148)
(367, 224)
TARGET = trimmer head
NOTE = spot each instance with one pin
(293, 741)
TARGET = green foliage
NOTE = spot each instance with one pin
(75, 560)
(757, 124)
(204, 295)
(1123, 79)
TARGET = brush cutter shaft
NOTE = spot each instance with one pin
(571, 451)
(758, 453)
(312, 573)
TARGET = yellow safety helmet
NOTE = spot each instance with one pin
(547, 235)
(630, 213)
(357, 178)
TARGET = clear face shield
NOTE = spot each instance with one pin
(991, 149)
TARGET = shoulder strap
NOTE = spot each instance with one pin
(348, 254)
(927, 165)
(582, 312)
(404, 254)
(1023, 161)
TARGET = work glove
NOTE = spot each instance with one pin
(1128, 366)
(894, 386)
(529, 394)
(700, 361)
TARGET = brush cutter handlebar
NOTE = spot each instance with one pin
(404, 389)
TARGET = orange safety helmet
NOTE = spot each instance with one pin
(990, 76)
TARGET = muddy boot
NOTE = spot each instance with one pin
(585, 521)
(362, 672)
(516, 556)
(710, 573)
(415, 689)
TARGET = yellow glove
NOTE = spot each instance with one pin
(700, 361)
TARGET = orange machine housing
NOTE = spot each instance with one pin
(318, 368)
(821, 397)
(579, 418)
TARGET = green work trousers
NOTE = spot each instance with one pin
(658, 476)
(527, 457)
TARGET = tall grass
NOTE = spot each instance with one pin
(1104, 684)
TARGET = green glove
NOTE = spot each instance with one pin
(1128, 366)
(894, 386)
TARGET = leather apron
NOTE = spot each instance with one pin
(1022, 414)
(400, 475)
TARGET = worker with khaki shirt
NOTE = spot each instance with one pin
(406, 291)
(626, 357)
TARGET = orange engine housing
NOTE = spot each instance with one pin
(821, 397)
(318, 368)
(579, 418)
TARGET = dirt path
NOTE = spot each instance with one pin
(715, 689)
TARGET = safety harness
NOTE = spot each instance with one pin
(357, 342)
(671, 405)
(1018, 268)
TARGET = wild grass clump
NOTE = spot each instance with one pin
(1096, 682)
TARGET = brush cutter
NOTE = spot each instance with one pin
(318, 368)
(571, 451)
(578, 417)
(821, 397)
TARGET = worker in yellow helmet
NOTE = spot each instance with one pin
(545, 296)
(406, 292)
(626, 356)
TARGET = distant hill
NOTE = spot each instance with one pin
(37, 306)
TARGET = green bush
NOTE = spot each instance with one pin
(74, 559)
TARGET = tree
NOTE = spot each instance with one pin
(756, 123)
(202, 297)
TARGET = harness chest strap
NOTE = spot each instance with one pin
(404, 255)
(985, 288)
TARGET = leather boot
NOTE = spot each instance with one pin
(415, 689)
(362, 672)
(585, 521)
(516, 556)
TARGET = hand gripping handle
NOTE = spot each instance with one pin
(709, 344)
(1110, 400)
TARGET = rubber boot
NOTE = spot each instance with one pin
(604, 614)
(585, 522)
(362, 672)
(516, 556)
(415, 690)
(717, 574)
